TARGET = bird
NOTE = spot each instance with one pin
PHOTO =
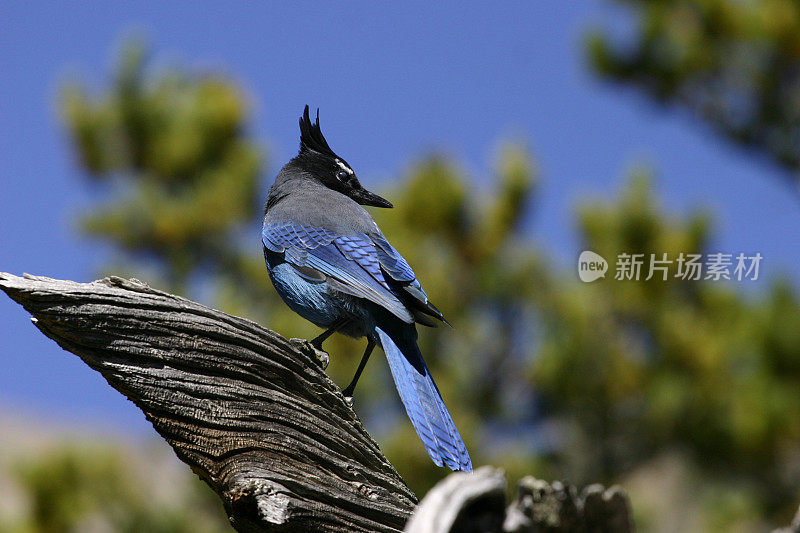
(332, 265)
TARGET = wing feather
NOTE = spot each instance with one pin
(350, 262)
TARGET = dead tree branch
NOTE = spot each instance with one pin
(253, 414)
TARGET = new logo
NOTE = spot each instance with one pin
(591, 266)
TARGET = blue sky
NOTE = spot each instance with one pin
(393, 81)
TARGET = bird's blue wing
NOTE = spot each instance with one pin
(349, 262)
(390, 259)
(279, 237)
(406, 285)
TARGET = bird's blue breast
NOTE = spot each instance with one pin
(307, 299)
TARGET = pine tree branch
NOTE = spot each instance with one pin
(253, 414)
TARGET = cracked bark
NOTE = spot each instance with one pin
(252, 413)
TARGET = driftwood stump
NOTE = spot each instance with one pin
(257, 418)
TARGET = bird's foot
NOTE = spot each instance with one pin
(349, 401)
(305, 346)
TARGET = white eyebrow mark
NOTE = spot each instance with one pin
(344, 167)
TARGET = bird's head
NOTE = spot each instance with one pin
(318, 161)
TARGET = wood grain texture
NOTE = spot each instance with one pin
(252, 413)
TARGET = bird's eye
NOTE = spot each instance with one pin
(342, 175)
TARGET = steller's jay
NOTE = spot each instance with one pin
(331, 264)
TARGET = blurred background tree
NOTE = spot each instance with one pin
(78, 484)
(733, 64)
(172, 148)
(683, 391)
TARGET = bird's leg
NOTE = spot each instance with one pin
(339, 324)
(348, 391)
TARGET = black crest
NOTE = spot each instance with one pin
(311, 137)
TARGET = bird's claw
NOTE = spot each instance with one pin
(349, 401)
(305, 346)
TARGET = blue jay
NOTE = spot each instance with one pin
(332, 265)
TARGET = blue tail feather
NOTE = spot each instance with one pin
(422, 400)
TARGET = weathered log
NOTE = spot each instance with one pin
(475, 504)
(252, 413)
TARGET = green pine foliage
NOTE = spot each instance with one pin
(172, 150)
(734, 64)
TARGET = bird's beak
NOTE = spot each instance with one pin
(364, 197)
